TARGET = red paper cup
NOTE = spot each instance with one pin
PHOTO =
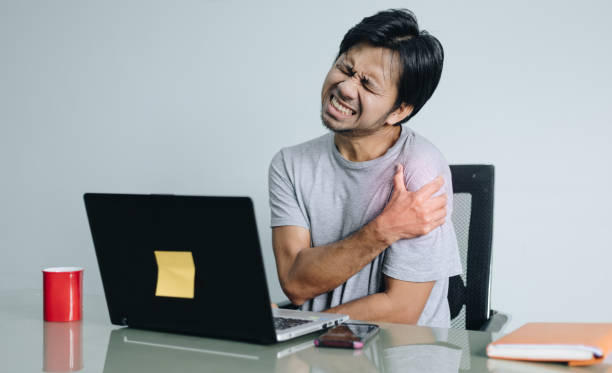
(63, 346)
(62, 291)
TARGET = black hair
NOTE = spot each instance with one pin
(420, 54)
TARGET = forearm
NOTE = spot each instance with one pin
(375, 307)
(319, 269)
(401, 302)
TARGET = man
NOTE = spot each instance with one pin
(350, 234)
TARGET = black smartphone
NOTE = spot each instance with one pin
(347, 335)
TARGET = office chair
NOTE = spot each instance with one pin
(469, 294)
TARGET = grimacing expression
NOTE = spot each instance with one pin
(360, 90)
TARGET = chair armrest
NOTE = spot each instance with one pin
(286, 304)
(496, 323)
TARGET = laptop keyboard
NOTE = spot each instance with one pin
(281, 323)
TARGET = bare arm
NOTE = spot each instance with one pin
(401, 302)
(306, 271)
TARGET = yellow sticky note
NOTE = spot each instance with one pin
(175, 274)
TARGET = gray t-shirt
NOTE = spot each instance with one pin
(313, 186)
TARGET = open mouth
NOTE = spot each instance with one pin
(343, 109)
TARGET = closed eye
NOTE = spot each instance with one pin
(345, 69)
(365, 82)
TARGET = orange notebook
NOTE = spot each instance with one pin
(574, 343)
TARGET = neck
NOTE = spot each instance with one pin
(361, 147)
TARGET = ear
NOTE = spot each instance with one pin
(399, 114)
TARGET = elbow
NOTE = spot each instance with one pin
(293, 294)
(294, 297)
(295, 288)
(297, 301)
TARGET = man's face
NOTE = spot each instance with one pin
(360, 90)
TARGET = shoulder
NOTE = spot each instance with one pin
(304, 152)
(420, 153)
(422, 161)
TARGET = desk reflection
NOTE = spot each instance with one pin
(409, 349)
(398, 349)
(132, 350)
(62, 346)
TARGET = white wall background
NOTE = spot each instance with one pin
(195, 97)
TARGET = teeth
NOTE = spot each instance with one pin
(340, 107)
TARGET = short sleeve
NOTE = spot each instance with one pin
(433, 256)
(284, 205)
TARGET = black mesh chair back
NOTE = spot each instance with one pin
(469, 293)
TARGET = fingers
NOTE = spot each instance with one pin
(437, 215)
(398, 179)
(437, 219)
(430, 188)
(436, 223)
(437, 212)
(436, 202)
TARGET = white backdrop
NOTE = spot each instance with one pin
(195, 97)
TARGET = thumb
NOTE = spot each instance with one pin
(398, 179)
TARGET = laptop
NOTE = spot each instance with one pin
(190, 265)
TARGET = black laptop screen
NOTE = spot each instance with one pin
(182, 263)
